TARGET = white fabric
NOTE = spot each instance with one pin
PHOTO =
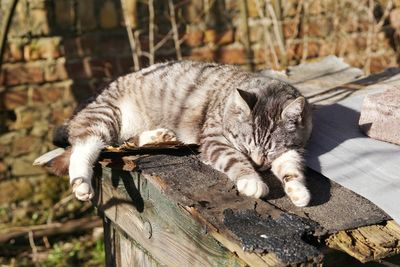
(340, 151)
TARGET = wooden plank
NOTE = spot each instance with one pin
(368, 243)
(133, 255)
(170, 226)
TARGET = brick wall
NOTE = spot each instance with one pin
(59, 52)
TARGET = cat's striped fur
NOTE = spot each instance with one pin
(242, 121)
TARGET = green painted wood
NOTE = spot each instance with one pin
(163, 228)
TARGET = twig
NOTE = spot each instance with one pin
(175, 30)
(6, 27)
(151, 32)
(59, 204)
(33, 246)
(267, 37)
(278, 31)
(38, 231)
(246, 35)
(163, 40)
(305, 31)
(131, 37)
(371, 26)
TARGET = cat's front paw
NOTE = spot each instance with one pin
(252, 186)
(82, 189)
(298, 193)
(161, 135)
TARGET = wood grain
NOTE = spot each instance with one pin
(175, 240)
(368, 243)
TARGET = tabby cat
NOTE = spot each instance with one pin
(244, 122)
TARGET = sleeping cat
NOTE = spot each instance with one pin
(243, 122)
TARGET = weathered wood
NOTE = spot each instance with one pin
(168, 225)
(133, 255)
(368, 243)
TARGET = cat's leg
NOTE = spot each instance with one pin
(90, 131)
(83, 156)
(289, 169)
(156, 136)
(236, 166)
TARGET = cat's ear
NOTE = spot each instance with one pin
(294, 109)
(246, 98)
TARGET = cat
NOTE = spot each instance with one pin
(244, 123)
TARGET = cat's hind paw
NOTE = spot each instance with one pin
(82, 189)
(252, 186)
(298, 193)
(157, 136)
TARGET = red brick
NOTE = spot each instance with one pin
(55, 71)
(206, 54)
(13, 52)
(24, 145)
(232, 55)
(226, 37)
(252, 8)
(49, 48)
(38, 22)
(59, 115)
(103, 68)
(194, 38)
(78, 69)
(210, 36)
(290, 28)
(23, 73)
(47, 94)
(15, 98)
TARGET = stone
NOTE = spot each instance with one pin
(15, 97)
(38, 22)
(20, 20)
(13, 52)
(26, 117)
(22, 166)
(15, 189)
(43, 48)
(380, 116)
(194, 38)
(203, 53)
(25, 144)
(395, 18)
(16, 74)
(226, 37)
(232, 54)
(55, 70)
(47, 94)
(210, 36)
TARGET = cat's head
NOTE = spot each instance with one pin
(265, 123)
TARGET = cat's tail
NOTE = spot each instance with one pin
(56, 161)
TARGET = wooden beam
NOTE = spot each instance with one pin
(368, 243)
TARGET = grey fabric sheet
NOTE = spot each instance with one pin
(340, 151)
